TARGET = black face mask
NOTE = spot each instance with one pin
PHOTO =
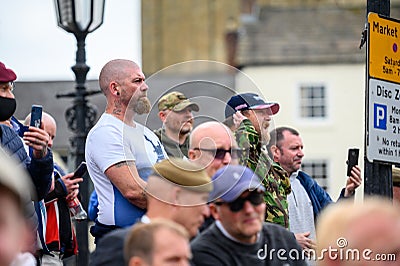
(7, 108)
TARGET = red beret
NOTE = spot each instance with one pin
(6, 74)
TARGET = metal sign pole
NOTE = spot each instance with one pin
(377, 175)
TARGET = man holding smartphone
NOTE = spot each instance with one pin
(40, 163)
(307, 198)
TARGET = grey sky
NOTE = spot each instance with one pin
(38, 50)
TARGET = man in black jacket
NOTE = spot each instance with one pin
(239, 236)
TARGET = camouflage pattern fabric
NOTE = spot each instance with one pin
(275, 180)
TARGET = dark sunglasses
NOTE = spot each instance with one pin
(220, 153)
(255, 197)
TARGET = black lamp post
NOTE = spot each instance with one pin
(80, 17)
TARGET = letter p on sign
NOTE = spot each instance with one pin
(380, 116)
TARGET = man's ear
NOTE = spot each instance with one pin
(214, 211)
(113, 87)
(192, 155)
(136, 261)
(162, 116)
(275, 153)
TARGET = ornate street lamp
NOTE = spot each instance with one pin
(80, 17)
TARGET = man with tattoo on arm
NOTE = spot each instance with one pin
(120, 152)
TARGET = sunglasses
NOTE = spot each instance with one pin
(220, 153)
(255, 197)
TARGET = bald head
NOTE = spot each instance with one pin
(114, 70)
(205, 139)
(369, 225)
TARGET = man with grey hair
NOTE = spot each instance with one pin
(120, 152)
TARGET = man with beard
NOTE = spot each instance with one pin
(252, 115)
(120, 152)
(175, 111)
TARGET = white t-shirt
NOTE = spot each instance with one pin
(109, 142)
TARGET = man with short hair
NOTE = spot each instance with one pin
(120, 152)
(239, 236)
(307, 198)
(177, 190)
(252, 115)
(161, 242)
(175, 111)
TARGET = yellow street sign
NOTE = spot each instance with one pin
(384, 48)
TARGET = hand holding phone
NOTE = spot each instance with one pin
(352, 159)
(80, 171)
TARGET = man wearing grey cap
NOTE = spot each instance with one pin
(175, 111)
(177, 190)
(239, 236)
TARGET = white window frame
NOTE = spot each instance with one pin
(323, 182)
(327, 119)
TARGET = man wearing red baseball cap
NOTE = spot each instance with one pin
(39, 164)
(251, 116)
(7, 100)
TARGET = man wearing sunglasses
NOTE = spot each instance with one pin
(212, 145)
(250, 117)
(239, 235)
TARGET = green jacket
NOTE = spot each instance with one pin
(173, 148)
(275, 180)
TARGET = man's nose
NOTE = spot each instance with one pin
(144, 87)
(248, 207)
(227, 158)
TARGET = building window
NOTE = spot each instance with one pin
(313, 101)
(317, 169)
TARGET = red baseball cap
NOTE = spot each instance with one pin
(6, 74)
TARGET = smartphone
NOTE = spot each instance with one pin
(352, 159)
(36, 115)
(80, 171)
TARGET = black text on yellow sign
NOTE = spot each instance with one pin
(383, 48)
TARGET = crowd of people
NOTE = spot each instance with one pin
(222, 193)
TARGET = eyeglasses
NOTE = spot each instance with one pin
(220, 153)
(255, 198)
(10, 85)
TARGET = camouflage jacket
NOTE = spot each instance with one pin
(274, 178)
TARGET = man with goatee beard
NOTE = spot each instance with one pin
(252, 117)
(120, 152)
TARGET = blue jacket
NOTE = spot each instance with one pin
(40, 170)
(318, 196)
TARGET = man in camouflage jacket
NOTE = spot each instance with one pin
(251, 115)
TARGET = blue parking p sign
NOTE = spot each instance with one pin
(380, 116)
